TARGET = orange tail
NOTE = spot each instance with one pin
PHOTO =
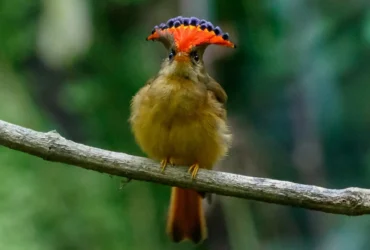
(186, 219)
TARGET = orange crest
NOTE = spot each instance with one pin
(190, 32)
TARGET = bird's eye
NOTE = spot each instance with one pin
(195, 56)
(171, 55)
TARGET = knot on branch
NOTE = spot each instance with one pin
(52, 137)
(354, 199)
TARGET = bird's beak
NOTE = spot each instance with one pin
(182, 57)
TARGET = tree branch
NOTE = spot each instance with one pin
(53, 147)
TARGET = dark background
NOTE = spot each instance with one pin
(298, 87)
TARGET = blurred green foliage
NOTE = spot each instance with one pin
(298, 87)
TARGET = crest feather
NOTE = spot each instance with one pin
(187, 32)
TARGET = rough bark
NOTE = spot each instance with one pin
(53, 147)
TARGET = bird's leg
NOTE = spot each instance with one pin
(164, 164)
(194, 170)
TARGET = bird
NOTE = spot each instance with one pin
(179, 116)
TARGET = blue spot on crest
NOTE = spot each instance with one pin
(209, 26)
(180, 19)
(177, 23)
(170, 22)
(194, 21)
(186, 21)
(217, 30)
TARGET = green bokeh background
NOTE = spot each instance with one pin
(298, 87)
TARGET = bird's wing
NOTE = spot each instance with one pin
(217, 90)
(217, 96)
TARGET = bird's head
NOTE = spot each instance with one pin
(186, 40)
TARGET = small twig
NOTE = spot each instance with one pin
(124, 182)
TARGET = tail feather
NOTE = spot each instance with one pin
(186, 219)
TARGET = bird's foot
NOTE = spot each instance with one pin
(194, 170)
(165, 162)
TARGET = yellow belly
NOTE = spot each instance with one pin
(165, 130)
